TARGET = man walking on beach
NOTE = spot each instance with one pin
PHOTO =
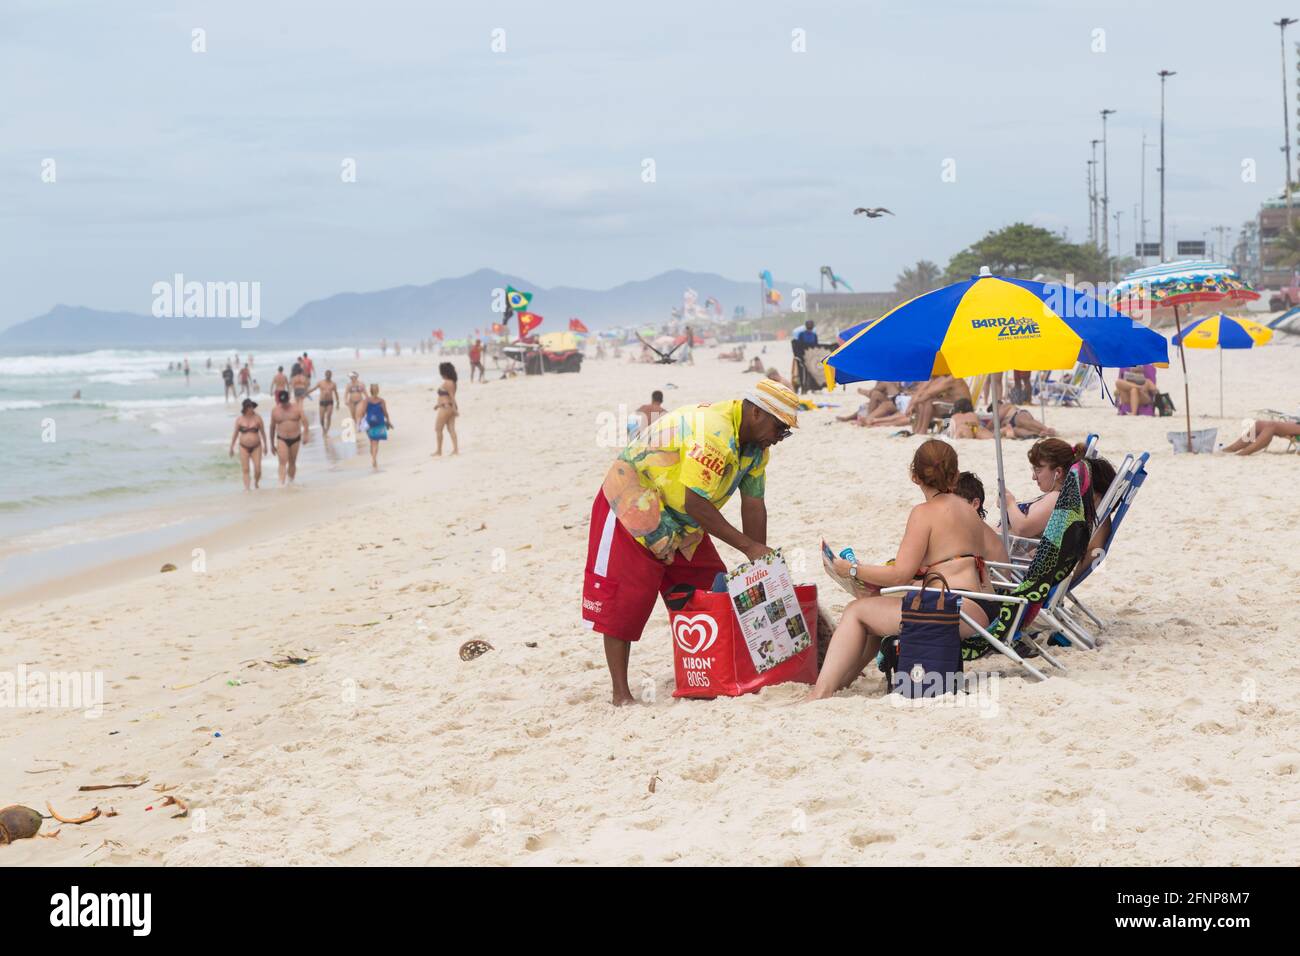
(654, 519)
(476, 360)
(228, 377)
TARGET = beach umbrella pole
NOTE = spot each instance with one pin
(1220, 381)
(1187, 394)
(997, 451)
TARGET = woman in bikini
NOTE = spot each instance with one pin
(943, 534)
(1050, 459)
(447, 408)
(355, 395)
(1020, 423)
(375, 412)
(288, 428)
(250, 435)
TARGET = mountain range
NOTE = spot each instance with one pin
(457, 306)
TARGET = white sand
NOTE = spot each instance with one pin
(1175, 743)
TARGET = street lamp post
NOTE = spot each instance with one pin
(1105, 189)
(1119, 243)
(1093, 163)
(1286, 118)
(1164, 75)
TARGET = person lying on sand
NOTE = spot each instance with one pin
(1258, 434)
(1020, 423)
(655, 516)
(964, 423)
(735, 355)
(943, 533)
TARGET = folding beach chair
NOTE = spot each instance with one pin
(1013, 631)
(1069, 390)
(1055, 614)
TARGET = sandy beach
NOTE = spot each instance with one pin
(1174, 743)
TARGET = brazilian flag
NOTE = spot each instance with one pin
(516, 301)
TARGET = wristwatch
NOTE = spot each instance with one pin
(853, 571)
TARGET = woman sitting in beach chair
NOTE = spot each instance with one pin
(1135, 389)
(944, 534)
(1050, 459)
(1063, 544)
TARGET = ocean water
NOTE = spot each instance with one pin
(138, 435)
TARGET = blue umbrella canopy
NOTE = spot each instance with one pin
(990, 324)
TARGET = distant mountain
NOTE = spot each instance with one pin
(77, 328)
(456, 305)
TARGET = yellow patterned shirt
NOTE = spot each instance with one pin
(694, 449)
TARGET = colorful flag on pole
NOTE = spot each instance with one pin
(498, 328)
(437, 334)
(575, 325)
(835, 280)
(516, 301)
(527, 322)
(773, 297)
(766, 276)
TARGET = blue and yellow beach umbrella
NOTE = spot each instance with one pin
(1223, 332)
(989, 325)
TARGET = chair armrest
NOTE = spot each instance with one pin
(1004, 598)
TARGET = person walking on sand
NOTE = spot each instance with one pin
(355, 395)
(245, 377)
(250, 435)
(447, 408)
(299, 384)
(476, 360)
(228, 377)
(660, 506)
(328, 395)
(279, 381)
(377, 423)
(288, 428)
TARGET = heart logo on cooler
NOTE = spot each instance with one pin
(695, 634)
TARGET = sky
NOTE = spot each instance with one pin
(589, 143)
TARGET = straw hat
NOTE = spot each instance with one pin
(777, 400)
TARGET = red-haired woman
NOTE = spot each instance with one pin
(944, 533)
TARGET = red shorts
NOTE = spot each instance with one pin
(623, 578)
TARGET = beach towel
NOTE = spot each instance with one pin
(1062, 546)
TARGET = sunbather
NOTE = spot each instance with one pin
(943, 534)
(1020, 423)
(1103, 476)
(1050, 459)
(1260, 433)
(964, 423)
(943, 389)
(1135, 387)
(971, 488)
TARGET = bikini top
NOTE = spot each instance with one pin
(980, 567)
(243, 430)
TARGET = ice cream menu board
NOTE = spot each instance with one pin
(762, 592)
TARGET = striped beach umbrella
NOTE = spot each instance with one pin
(989, 325)
(1182, 286)
(1223, 332)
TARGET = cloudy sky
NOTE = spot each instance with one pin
(227, 164)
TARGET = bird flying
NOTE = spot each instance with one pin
(873, 213)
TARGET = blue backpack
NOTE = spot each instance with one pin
(926, 655)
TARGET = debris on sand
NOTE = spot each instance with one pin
(472, 649)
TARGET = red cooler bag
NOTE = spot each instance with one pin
(710, 657)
